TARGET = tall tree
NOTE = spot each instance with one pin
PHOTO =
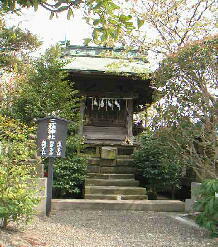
(15, 48)
(186, 82)
(45, 90)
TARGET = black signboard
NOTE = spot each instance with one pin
(51, 137)
(51, 143)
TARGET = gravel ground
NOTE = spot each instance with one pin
(85, 228)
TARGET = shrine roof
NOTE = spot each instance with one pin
(107, 60)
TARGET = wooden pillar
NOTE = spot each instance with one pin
(82, 111)
(129, 109)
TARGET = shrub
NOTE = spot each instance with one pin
(69, 176)
(17, 197)
(157, 164)
(207, 203)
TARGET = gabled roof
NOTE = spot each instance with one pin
(107, 60)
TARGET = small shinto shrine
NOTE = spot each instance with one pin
(112, 93)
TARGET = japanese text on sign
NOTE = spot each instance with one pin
(51, 137)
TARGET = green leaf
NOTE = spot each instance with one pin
(104, 36)
(35, 5)
(69, 13)
(124, 18)
(140, 22)
(96, 22)
(87, 41)
(63, 8)
(113, 6)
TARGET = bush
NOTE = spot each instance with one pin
(157, 165)
(17, 197)
(207, 203)
(69, 176)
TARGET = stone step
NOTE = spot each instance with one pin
(108, 162)
(111, 182)
(93, 169)
(123, 156)
(124, 162)
(136, 205)
(101, 197)
(110, 176)
(117, 170)
(114, 190)
(134, 197)
(94, 161)
(116, 197)
(111, 169)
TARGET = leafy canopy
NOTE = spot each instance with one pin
(186, 83)
(106, 15)
(15, 46)
(46, 91)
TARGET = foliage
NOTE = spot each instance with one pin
(157, 162)
(169, 25)
(17, 197)
(14, 132)
(56, 6)
(116, 21)
(15, 45)
(15, 48)
(49, 92)
(69, 175)
(107, 17)
(207, 203)
(44, 90)
(186, 82)
(109, 21)
(70, 172)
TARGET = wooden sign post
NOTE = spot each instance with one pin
(51, 143)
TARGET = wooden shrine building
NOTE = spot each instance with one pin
(112, 93)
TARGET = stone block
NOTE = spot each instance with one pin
(125, 162)
(41, 207)
(42, 186)
(195, 190)
(94, 161)
(93, 169)
(138, 205)
(105, 162)
(109, 153)
(98, 152)
(189, 203)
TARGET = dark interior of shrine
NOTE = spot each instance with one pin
(110, 100)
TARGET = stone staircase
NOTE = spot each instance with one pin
(113, 187)
(110, 185)
(112, 178)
